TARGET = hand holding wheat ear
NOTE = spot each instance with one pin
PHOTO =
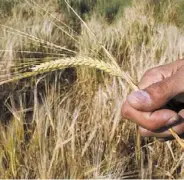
(174, 134)
(158, 85)
(59, 64)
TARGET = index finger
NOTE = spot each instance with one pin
(150, 77)
(159, 73)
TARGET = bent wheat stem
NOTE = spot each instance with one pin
(59, 64)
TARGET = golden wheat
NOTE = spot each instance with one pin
(63, 63)
(112, 69)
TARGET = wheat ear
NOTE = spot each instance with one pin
(73, 62)
(94, 63)
(59, 64)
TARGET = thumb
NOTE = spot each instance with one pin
(158, 94)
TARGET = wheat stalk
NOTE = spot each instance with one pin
(35, 39)
(89, 62)
(111, 69)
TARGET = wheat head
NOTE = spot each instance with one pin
(63, 63)
(89, 62)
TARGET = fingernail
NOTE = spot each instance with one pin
(139, 96)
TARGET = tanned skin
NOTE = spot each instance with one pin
(150, 107)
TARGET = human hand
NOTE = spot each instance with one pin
(149, 107)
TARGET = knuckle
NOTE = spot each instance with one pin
(157, 90)
(160, 88)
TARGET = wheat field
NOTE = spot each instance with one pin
(66, 68)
